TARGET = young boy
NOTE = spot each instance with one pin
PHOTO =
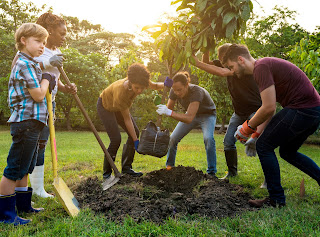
(28, 106)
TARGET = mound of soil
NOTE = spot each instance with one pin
(164, 193)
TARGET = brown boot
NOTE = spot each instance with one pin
(266, 201)
(232, 163)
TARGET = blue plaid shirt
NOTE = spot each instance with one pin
(26, 74)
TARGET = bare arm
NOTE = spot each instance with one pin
(170, 104)
(156, 85)
(39, 93)
(189, 115)
(212, 69)
(66, 88)
(267, 109)
(206, 57)
(129, 124)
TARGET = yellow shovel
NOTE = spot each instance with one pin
(65, 196)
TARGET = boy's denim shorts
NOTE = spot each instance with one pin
(23, 153)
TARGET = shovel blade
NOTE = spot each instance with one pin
(65, 196)
(108, 183)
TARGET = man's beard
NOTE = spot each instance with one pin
(241, 71)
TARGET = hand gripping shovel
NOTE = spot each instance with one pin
(61, 190)
(113, 179)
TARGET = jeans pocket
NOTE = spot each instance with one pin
(303, 121)
(16, 131)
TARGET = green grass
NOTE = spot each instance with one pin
(80, 156)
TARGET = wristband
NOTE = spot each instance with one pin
(247, 126)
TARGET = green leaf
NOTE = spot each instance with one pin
(192, 61)
(245, 13)
(188, 48)
(205, 42)
(164, 27)
(175, 2)
(161, 55)
(179, 60)
(181, 7)
(201, 5)
(199, 43)
(150, 26)
(213, 24)
(227, 18)
(156, 34)
(219, 11)
(231, 27)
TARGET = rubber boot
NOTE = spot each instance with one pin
(232, 163)
(37, 182)
(8, 212)
(23, 202)
(127, 160)
(107, 171)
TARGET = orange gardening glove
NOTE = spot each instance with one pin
(251, 145)
(243, 132)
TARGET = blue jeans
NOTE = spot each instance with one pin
(24, 149)
(229, 139)
(288, 130)
(43, 140)
(207, 124)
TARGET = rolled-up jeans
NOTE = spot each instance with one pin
(207, 124)
(288, 130)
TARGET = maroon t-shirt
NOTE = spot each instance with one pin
(293, 88)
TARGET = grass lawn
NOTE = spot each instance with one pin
(80, 156)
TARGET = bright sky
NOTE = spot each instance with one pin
(130, 16)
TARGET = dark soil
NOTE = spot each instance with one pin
(164, 193)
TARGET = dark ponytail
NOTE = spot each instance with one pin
(182, 77)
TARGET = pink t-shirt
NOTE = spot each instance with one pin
(293, 88)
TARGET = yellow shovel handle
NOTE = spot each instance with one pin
(54, 154)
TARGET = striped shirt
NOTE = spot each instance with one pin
(26, 74)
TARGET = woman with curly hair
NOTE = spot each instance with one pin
(113, 109)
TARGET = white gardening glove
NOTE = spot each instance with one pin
(251, 145)
(162, 109)
(55, 61)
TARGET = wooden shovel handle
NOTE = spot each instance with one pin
(112, 164)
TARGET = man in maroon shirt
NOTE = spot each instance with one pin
(278, 81)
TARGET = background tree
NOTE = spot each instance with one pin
(306, 55)
(273, 35)
(200, 26)
(88, 73)
(12, 15)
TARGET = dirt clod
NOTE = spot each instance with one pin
(164, 193)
